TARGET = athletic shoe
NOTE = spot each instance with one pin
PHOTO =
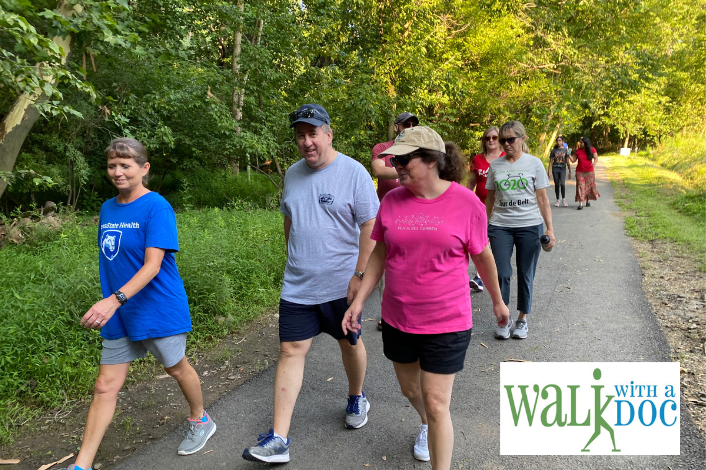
(357, 411)
(421, 449)
(566, 204)
(588, 204)
(503, 332)
(476, 284)
(196, 436)
(557, 203)
(270, 449)
(520, 330)
(73, 467)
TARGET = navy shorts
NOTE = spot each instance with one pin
(442, 353)
(298, 322)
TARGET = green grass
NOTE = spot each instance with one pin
(231, 261)
(683, 155)
(662, 203)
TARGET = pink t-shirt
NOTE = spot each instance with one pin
(426, 267)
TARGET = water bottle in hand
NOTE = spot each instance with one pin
(545, 240)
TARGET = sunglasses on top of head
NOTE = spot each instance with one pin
(307, 114)
(403, 160)
(509, 140)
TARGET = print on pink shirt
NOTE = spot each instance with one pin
(418, 222)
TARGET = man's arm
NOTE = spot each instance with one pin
(383, 172)
(287, 228)
(365, 247)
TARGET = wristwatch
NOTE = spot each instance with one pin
(121, 297)
(359, 274)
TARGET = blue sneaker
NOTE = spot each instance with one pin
(357, 411)
(476, 284)
(270, 449)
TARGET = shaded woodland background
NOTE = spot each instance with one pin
(207, 84)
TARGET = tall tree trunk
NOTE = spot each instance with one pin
(22, 115)
(627, 139)
(551, 141)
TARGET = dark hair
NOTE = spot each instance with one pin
(451, 165)
(557, 138)
(587, 147)
(127, 147)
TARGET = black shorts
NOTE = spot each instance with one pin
(442, 353)
(298, 322)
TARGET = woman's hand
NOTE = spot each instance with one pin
(550, 234)
(502, 314)
(100, 313)
(350, 318)
(569, 175)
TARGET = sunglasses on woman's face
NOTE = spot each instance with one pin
(403, 160)
(509, 141)
(488, 138)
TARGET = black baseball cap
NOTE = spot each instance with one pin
(310, 113)
(406, 117)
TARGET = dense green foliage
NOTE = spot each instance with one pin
(162, 71)
(231, 262)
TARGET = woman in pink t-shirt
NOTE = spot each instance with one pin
(479, 175)
(425, 231)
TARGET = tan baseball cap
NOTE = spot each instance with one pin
(415, 138)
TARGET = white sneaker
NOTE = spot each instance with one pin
(421, 449)
(557, 203)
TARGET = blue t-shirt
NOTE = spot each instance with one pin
(160, 309)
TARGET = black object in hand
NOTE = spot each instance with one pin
(544, 240)
(352, 337)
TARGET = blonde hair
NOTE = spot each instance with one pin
(482, 139)
(519, 132)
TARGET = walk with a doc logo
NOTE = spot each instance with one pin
(579, 408)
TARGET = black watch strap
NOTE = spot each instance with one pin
(121, 297)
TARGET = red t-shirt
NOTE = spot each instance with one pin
(584, 165)
(426, 263)
(480, 166)
(384, 186)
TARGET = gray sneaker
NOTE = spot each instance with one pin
(421, 448)
(357, 411)
(270, 449)
(196, 436)
(503, 332)
(520, 330)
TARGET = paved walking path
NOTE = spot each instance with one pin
(604, 316)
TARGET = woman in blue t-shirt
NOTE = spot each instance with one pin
(144, 306)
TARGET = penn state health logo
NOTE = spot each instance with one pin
(110, 243)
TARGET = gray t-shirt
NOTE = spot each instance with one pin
(326, 207)
(515, 185)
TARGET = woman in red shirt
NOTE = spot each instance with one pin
(479, 174)
(585, 175)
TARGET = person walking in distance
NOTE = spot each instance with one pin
(559, 165)
(329, 206)
(144, 306)
(386, 173)
(478, 175)
(587, 158)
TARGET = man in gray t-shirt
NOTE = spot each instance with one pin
(329, 206)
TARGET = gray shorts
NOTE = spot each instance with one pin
(168, 350)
